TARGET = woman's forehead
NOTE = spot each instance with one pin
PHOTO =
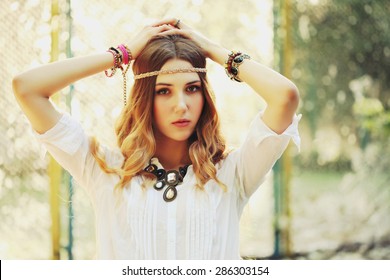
(175, 64)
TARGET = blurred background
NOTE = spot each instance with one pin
(330, 201)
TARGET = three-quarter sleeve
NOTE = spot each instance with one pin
(69, 145)
(259, 152)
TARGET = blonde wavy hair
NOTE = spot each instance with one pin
(134, 127)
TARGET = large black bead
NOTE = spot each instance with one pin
(160, 174)
(183, 170)
(238, 59)
(234, 71)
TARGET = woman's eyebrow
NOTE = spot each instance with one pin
(167, 84)
(163, 84)
(193, 82)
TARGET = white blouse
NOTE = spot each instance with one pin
(137, 223)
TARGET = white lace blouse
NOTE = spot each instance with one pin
(137, 223)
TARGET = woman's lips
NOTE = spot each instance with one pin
(181, 123)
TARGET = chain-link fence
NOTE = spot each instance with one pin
(339, 190)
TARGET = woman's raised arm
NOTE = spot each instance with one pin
(280, 94)
(34, 87)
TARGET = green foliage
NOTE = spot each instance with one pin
(373, 119)
(339, 41)
(342, 55)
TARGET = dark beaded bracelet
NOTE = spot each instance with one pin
(237, 61)
(228, 63)
(233, 63)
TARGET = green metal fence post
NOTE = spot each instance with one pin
(282, 169)
(69, 179)
(54, 169)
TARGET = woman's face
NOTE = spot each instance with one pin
(178, 103)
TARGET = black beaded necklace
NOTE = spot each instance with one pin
(170, 178)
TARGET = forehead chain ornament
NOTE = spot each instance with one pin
(170, 71)
(170, 178)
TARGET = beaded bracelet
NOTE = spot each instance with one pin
(117, 52)
(228, 63)
(232, 65)
(121, 55)
(117, 64)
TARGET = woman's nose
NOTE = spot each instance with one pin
(180, 102)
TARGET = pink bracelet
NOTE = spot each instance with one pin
(124, 53)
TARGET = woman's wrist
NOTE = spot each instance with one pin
(218, 54)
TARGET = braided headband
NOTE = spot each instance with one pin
(173, 71)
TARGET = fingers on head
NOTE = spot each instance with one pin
(174, 31)
(165, 27)
(170, 21)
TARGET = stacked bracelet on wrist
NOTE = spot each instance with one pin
(233, 63)
(121, 55)
(117, 61)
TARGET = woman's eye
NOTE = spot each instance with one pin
(162, 91)
(193, 88)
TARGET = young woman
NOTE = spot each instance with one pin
(170, 190)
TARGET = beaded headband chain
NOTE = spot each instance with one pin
(173, 71)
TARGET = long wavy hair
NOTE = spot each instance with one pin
(134, 126)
